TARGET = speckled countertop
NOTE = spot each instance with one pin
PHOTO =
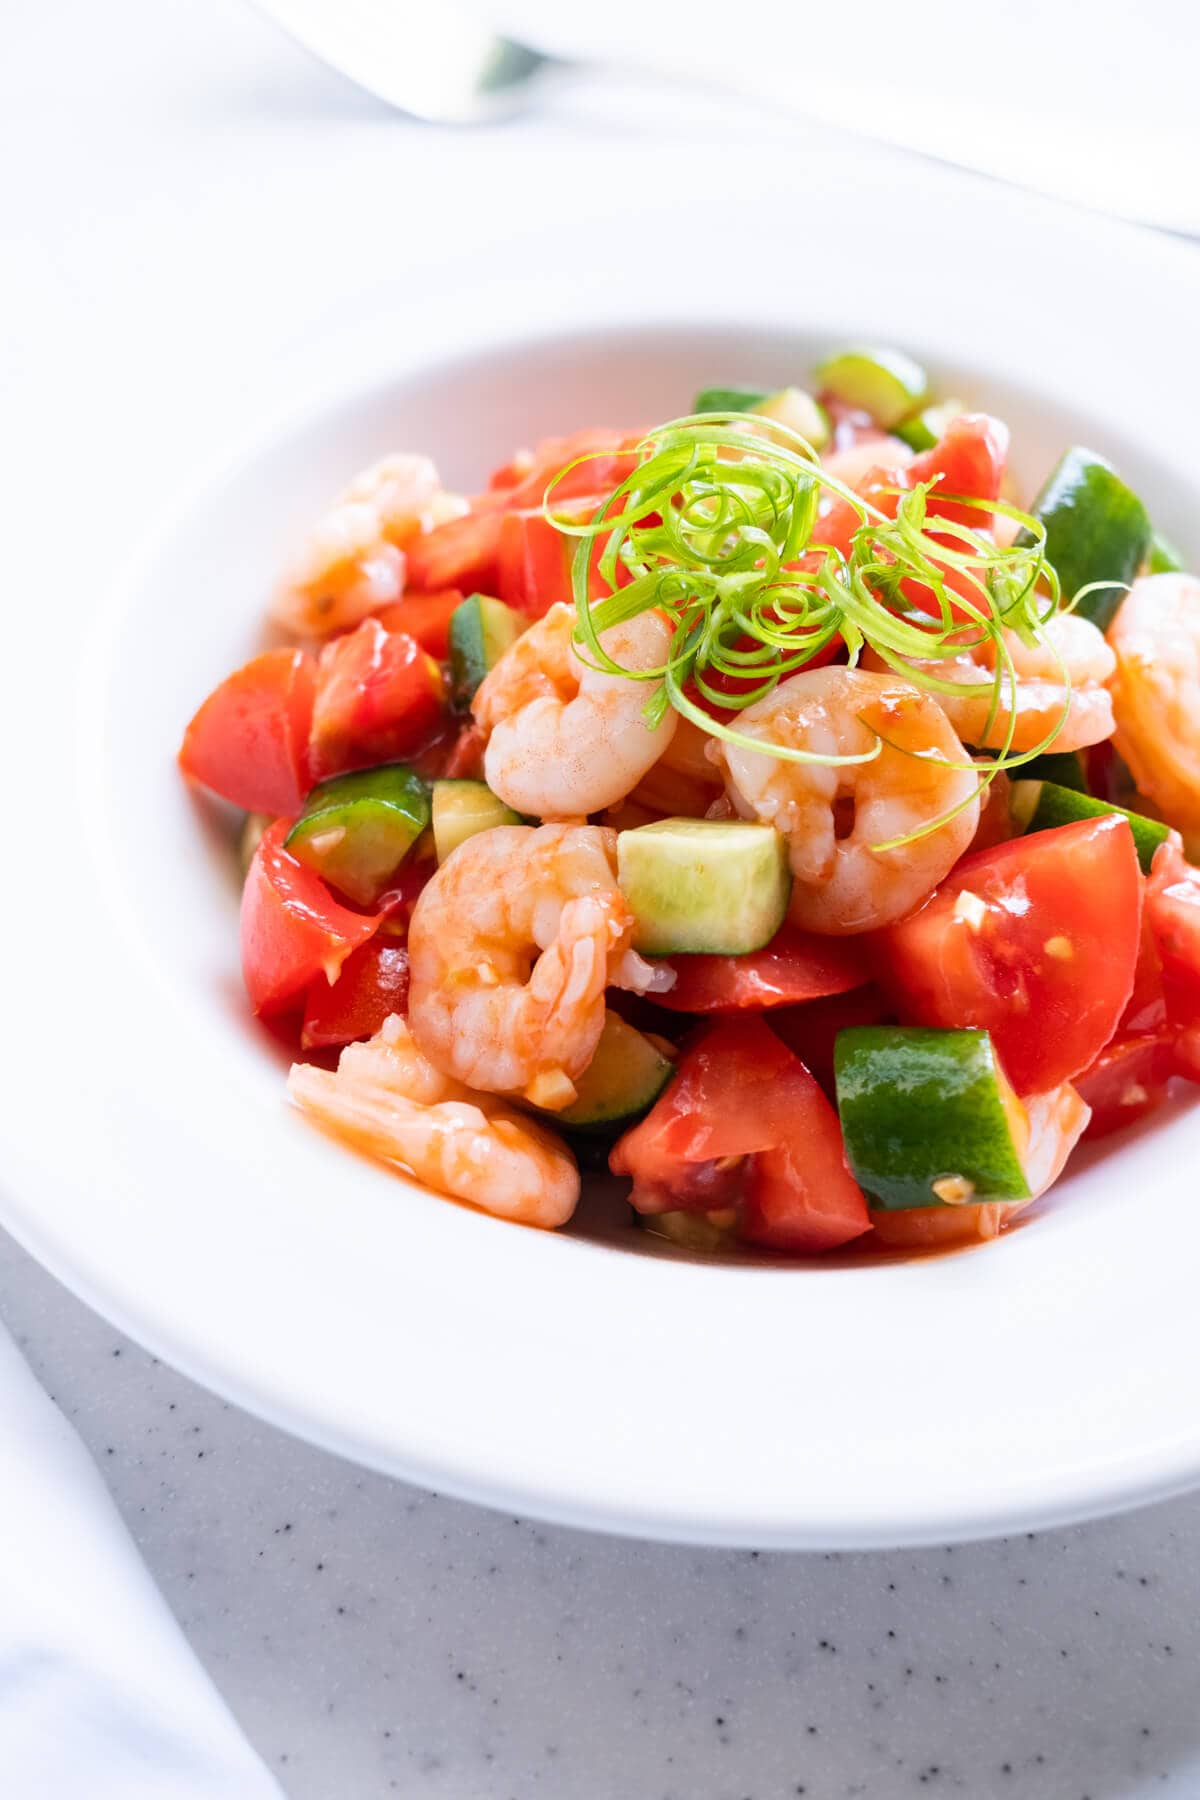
(376, 1640)
(372, 1639)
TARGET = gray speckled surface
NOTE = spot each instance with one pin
(375, 1640)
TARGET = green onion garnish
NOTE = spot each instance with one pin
(719, 527)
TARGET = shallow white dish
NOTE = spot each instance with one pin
(1045, 1377)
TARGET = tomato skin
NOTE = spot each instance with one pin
(535, 561)
(970, 459)
(611, 456)
(1128, 1080)
(743, 1120)
(810, 1030)
(292, 929)
(425, 617)
(795, 966)
(379, 695)
(247, 741)
(372, 984)
(1173, 908)
(1050, 1011)
(460, 554)
(801, 1197)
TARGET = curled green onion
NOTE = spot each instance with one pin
(718, 526)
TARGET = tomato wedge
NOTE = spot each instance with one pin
(1127, 1080)
(535, 560)
(1173, 909)
(379, 696)
(1035, 941)
(292, 928)
(969, 459)
(810, 1030)
(372, 984)
(743, 1123)
(460, 554)
(795, 966)
(248, 740)
(425, 617)
(610, 457)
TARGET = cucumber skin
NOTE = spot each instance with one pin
(917, 1104)
(1096, 530)
(1065, 768)
(727, 399)
(481, 630)
(1063, 806)
(886, 383)
(630, 1073)
(390, 797)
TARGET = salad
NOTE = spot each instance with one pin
(765, 804)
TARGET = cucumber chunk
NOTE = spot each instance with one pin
(1041, 805)
(1096, 530)
(791, 406)
(1164, 558)
(716, 886)
(928, 427)
(356, 830)
(481, 630)
(928, 1117)
(622, 1081)
(885, 383)
(461, 809)
(1065, 768)
(727, 399)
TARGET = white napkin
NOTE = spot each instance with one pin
(100, 1696)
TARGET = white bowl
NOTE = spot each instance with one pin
(583, 1375)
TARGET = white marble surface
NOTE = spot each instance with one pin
(188, 205)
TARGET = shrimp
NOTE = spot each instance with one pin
(352, 562)
(565, 739)
(511, 947)
(1042, 696)
(831, 816)
(389, 1100)
(1054, 1122)
(1155, 638)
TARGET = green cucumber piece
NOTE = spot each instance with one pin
(792, 407)
(1164, 558)
(1065, 768)
(727, 399)
(1096, 530)
(1042, 805)
(928, 427)
(461, 809)
(623, 1080)
(481, 630)
(356, 830)
(716, 886)
(703, 1231)
(928, 1114)
(885, 383)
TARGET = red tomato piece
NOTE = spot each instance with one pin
(536, 561)
(460, 554)
(379, 696)
(796, 965)
(810, 1031)
(969, 459)
(743, 1122)
(1173, 907)
(465, 760)
(1035, 941)
(1127, 1080)
(248, 740)
(372, 984)
(610, 457)
(292, 928)
(425, 617)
